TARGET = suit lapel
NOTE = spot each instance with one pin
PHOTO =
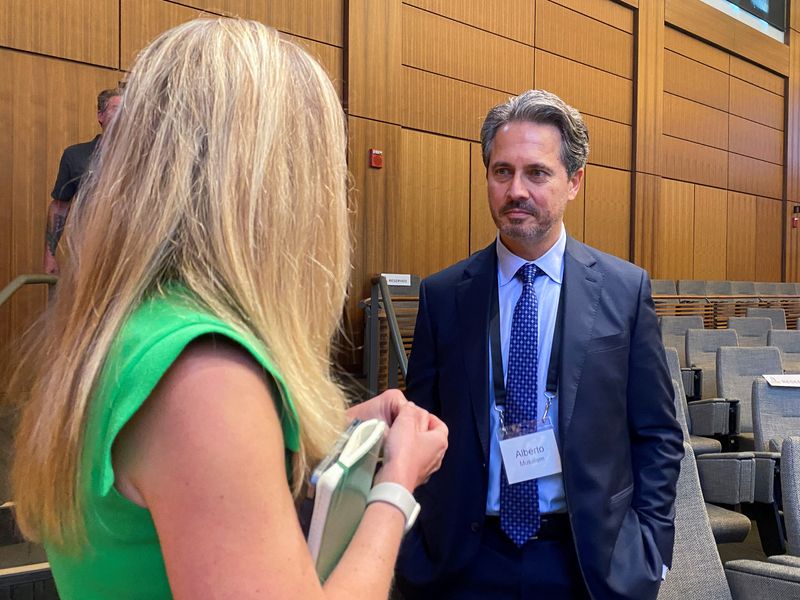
(473, 296)
(582, 283)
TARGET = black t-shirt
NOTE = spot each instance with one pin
(74, 163)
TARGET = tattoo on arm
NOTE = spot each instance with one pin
(55, 226)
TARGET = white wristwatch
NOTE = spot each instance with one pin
(399, 497)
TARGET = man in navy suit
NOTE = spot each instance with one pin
(559, 480)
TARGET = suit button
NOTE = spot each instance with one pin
(475, 527)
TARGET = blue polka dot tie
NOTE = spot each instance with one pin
(519, 503)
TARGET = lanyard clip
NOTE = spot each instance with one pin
(548, 401)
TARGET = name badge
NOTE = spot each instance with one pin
(530, 456)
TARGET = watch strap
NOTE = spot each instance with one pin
(399, 497)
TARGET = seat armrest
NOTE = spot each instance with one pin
(727, 477)
(714, 416)
(750, 579)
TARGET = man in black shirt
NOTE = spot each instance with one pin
(74, 163)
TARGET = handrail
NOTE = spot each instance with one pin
(21, 280)
(394, 329)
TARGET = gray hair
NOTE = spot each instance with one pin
(106, 95)
(539, 106)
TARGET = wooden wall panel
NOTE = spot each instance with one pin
(710, 233)
(741, 237)
(755, 140)
(747, 71)
(604, 11)
(458, 110)
(371, 193)
(649, 87)
(39, 126)
(607, 210)
(690, 47)
(433, 205)
(246, 9)
(588, 89)
(696, 122)
(792, 269)
(688, 161)
(82, 30)
(598, 45)
(769, 239)
(482, 229)
(609, 142)
(144, 20)
(575, 215)
(374, 58)
(320, 20)
(440, 45)
(330, 57)
(755, 176)
(708, 23)
(693, 80)
(514, 21)
(647, 199)
(756, 104)
(674, 250)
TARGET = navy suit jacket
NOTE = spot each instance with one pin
(619, 440)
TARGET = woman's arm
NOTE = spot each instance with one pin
(205, 455)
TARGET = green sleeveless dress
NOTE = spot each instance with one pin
(122, 557)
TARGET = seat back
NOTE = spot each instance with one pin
(786, 288)
(777, 315)
(788, 342)
(696, 572)
(663, 287)
(743, 288)
(790, 489)
(673, 332)
(737, 368)
(752, 331)
(776, 414)
(701, 352)
(767, 288)
(692, 287)
(719, 288)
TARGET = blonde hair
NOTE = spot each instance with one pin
(224, 170)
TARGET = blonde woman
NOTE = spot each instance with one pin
(180, 388)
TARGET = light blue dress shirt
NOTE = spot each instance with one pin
(548, 290)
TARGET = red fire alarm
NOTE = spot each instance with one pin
(375, 158)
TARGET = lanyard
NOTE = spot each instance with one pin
(497, 356)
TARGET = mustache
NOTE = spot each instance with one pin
(520, 205)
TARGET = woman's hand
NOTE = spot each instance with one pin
(385, 407)
(414, 448)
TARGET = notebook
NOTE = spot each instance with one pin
(343, 481)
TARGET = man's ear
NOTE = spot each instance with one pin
(575, 183)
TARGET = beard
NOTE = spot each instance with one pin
(524, 229)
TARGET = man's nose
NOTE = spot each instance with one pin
(516, 188)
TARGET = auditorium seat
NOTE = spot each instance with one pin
(663, 287)
(788, 342)
(766, 288)
(790, 488)
(743, 288)
(697, 572)
(719, 288)
(737, 369)
(692, 287)
(777, 315)
(752, 331)
(701, 352)
(704, 412)
(673, 332)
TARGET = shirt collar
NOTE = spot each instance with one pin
(551, 262)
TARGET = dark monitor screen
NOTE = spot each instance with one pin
(771, 11)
